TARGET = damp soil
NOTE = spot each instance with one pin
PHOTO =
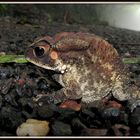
(21, 83)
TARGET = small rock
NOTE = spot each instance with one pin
(135, 119)
(11, 98)
(20, 82)
(61, 129)
(77, 126)
(10, 118)
(42, 85)
(33, 127)
(87, 116)
(110, 112)
(45, 111)
(6, 85)
(66, 114)
(71, 105)
(123, 118)
(121, 130)
(27, 104)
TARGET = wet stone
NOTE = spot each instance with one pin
(61, 129)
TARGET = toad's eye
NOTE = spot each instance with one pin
(39, 51)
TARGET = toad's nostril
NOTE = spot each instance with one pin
(39, 51)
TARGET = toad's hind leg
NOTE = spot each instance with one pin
(91, 101)
(131, 93)
(134, 101)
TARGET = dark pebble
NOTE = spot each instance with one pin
(61, 129)
(43, 85)
(87, 115)
(6, 85)
(26, 104)
(134, 119)
(10, 118)
(135, 69)
(110, 112)
(45, 111)
(11, 98)
(6, 72)
(66, 114)
(19, 90)
(46, 100)
(123, 118)
(90, 118)
(77, 126)
(137, 110)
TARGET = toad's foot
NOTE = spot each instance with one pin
(50, 98)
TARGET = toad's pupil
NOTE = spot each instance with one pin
(39, 51)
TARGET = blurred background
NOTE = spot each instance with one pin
(116, 15)
(119, 24)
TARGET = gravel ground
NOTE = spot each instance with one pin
(20, 83)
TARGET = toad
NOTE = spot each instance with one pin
(87, 67)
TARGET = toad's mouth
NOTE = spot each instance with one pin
(58, 69)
